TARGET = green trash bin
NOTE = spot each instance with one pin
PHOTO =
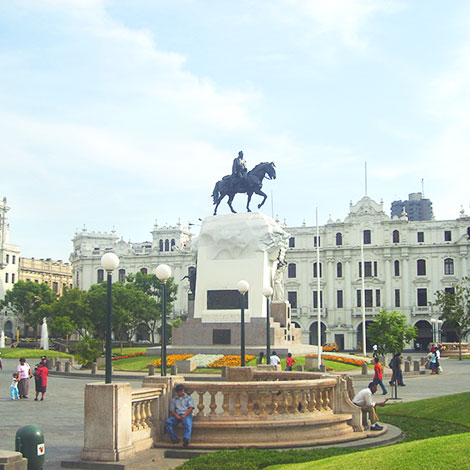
(29, 441)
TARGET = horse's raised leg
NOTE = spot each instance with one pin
(217, 205)
(230, 199)
(260, 193)
(248, 202)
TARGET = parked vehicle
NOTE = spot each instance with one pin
(328, 347)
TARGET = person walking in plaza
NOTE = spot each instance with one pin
(379, 375)
(274, 360)
(24, 374)
(181, 409)
(14, 395)
(433, 362)
(397, 374)
(40, 377)
(364, 400)
(290, 361)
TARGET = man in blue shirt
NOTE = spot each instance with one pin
(181, 409)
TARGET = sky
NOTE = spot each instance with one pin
(114, 114)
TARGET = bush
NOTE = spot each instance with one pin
(88, 350)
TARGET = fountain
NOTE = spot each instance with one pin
(44, 344)
(2, 339)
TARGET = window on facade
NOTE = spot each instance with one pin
(422, 297)
(367, 269)
(397, 297)
(339, 239)
(36, 281)
(160, 245)
(291, 270)
(396, 236)
(144, 270)
(449, 290)
(448, 266)
(7, 258)
(291, 242)
(315, 270)
(55, 287)
(122, 275)
(316, 240)
(447, 236)
(315, 299)
(339, 299)
(64, 286)
(420, 237)
(421, 267)
(100, 275)
(339, 269)
(368, 296)
(167, 245)
(13, 278)
(13, 259)
(375, 268)
(396, 268)
(366, 237)
(6, 277)
(173, 244)
(292, 298)
(377, 297)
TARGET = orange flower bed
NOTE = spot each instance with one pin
(230, 360)
(128, 355)
(344, 360)
(171, 359)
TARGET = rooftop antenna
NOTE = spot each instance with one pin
(422, 188)
(365, 176)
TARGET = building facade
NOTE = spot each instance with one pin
(56, 274)
(405, 263)
(416, 208)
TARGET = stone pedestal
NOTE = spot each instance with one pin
(108, 422)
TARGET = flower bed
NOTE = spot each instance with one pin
(203, 360)
(128, 355)
(171, 359)
(230, 360)
(344, 360)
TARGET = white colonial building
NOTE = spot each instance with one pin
(405, 263)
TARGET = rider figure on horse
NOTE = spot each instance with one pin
(239, 170)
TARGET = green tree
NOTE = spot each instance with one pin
(152, 286)
(28, 299)
(88, 350)
(390, 332)
(455, 309)
(63, 326)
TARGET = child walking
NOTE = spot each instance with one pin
(14, 395)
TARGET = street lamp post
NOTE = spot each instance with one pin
(242, 287)
(163, 272)
(268, 292)
(109, 262)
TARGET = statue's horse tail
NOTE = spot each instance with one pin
(216, 192)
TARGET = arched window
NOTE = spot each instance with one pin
(173, 243)
(100, 275)
(167, 245)
(339, 239)
(160, 245)
(396, 266)
(291, 270)
(122, 275)
(421, 267)
(339, 269)
(144, 270)
(315, 270)
(396, 236)
(448, 266)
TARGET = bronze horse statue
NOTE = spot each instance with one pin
(252, 183)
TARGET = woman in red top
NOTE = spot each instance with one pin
(379, 375)
(41, 380)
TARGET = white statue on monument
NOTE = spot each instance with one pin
(278, 282)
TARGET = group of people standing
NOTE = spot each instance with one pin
(275, 360)
(19, 388)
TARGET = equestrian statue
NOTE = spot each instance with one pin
(244, 182)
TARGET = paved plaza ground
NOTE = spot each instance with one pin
(60, 416)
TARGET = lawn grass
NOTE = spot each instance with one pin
(417, 420)
(126, 351)
(16, 353)
(448, 452)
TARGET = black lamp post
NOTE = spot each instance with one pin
(109, 262)
(242, 287)
(268, 292)
(163, 272)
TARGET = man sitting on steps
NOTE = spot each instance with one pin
(364, 400)
(181, 409)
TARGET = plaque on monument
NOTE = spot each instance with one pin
(224, 300)
(221, 337)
